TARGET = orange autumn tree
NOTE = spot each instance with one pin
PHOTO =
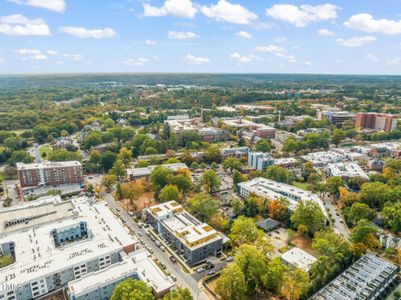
(133, 190)
(277, 210)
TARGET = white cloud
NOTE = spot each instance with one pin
(182, 35)
(20, 25)
(356, 41)
(366, 23)
(60, 62)
(270, 49)
(372, 58)
(304, 14)
(196, 60)
(281, 39)
(150, 42)
(176, 8)
(74, 57)
(244, 34)
(31, 54)
(84, 33)
(54, 5)
(52, 52)
(308, 63)
(135, 61)
(40, 57)
(28, 51)
(244, 58)
(325, 32)
(394, 62)
(277, 51)
(226, 11)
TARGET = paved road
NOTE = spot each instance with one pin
(183, 279)
(338, 224)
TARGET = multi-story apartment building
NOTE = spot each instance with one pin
(196, 241)
(138, 265)
(238, 152)
(377, 121)
(346, 170)
(180, 124)
(256, 129)
(275, 190)
(211, 134)
(259, 160)
(54, 242)
(371, 277)
(50, 173)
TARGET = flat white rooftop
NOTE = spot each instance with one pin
(299, 258)
(146, 171)
(47, 165)
(186, 227)
(347, 169)
(136, 262)
(35, 251)
(274, 190)
(285, 160)
(240, 122)
(324, 157)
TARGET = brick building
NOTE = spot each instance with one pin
(50, 173)
(377, 121)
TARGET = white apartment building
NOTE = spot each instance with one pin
(346, 170)
(274, 190)
(54, 242)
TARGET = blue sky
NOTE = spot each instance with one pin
(222, 36)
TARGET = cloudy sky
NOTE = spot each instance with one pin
(261, 36)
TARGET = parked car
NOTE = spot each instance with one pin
(211, 272)
(162, 248)
(200, 270)
(172, 258)
(230, 258)
(173, 278)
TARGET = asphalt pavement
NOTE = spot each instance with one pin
(339, 223)
(183, 279)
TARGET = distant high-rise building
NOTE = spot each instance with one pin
(377, 121)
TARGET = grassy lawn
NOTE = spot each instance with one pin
(45, 149)
(18, 131)
(6, 260)
(301, 185)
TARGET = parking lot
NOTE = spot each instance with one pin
(226, 179)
